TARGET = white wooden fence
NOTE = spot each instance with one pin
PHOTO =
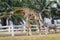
(17, 29)
(14, 29)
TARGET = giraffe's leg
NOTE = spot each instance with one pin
(49, 29)
(46, 32)
(55, 30)
(30, 31)
(38, 25)
(29, 27)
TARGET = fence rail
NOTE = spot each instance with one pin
(14, 29)
(17, 29)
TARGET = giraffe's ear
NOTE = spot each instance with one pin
(11, 12)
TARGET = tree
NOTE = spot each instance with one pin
(39, 6)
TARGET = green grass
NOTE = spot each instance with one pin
(33, 37)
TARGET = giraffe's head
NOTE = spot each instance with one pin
(11, 13)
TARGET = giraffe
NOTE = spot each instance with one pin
(28, 15)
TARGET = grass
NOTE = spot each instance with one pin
(33, 37)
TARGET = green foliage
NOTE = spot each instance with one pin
(4, 7)
(38, 5)
(18, 16)
(3, 15)
(34, 4)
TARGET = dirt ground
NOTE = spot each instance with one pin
(33, 37)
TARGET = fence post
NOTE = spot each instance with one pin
(9, 28)
(12, 30)
(7, 25)
(24, 28)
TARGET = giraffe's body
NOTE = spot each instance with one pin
(28, 15)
